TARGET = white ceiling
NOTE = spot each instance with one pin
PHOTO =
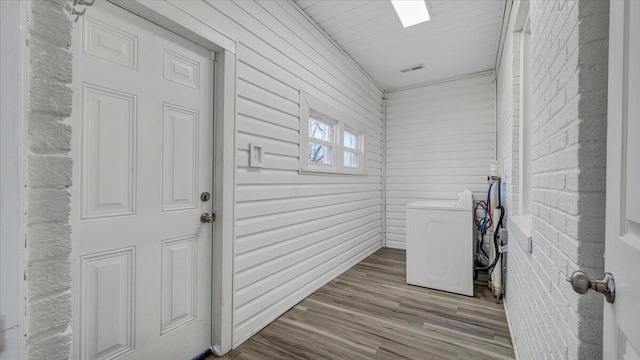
(461, 38)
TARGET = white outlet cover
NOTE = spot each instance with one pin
(256, 155)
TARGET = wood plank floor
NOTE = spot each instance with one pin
(370, 313)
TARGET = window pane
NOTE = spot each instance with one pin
(319, 154)
(351, 159)
(319, 130)
(350, 140)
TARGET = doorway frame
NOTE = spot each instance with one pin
(15, 120)
(14, 94)
(224, 46)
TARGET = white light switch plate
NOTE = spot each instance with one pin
(256, 155)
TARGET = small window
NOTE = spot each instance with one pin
(352, 149)
(319, 154)
(334, 142)
(320, 142)
(319, 130)
(351, 160)
(350, 140)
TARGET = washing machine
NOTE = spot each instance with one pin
(440, 244)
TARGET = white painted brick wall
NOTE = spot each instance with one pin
(569, 42)
(508, 118)
(48, 269)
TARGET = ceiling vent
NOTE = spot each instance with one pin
(412, 68)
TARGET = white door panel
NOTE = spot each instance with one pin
(622, 255)
(142, 146)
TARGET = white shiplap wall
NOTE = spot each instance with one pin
(440, 141)
(293, 232)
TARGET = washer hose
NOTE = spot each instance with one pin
(495, 242)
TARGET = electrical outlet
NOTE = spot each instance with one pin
(256, 155)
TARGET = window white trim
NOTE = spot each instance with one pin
(311, 106)
(521, 228)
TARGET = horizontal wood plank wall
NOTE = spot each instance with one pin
(294, 233)
(440, 141)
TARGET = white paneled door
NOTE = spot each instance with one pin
(142, 148)
(622, 253)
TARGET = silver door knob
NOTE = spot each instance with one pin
(207, 218)
(581, 284)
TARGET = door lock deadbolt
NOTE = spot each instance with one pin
(205, 196)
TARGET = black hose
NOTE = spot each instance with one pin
(484, 252)
(495, 242)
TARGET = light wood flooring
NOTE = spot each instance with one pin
(370, 313)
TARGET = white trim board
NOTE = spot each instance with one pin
(172, 18)
(12, 175)
(480, 73)
(384, 170)
(224, 192)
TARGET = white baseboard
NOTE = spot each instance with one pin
(513, 339)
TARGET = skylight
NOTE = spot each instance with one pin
(411, 12)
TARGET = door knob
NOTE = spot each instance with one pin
(581, 284)
(207, 218)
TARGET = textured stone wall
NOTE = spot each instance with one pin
(48, 245)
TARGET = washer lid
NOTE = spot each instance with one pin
(464, 203)
(436, 204)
